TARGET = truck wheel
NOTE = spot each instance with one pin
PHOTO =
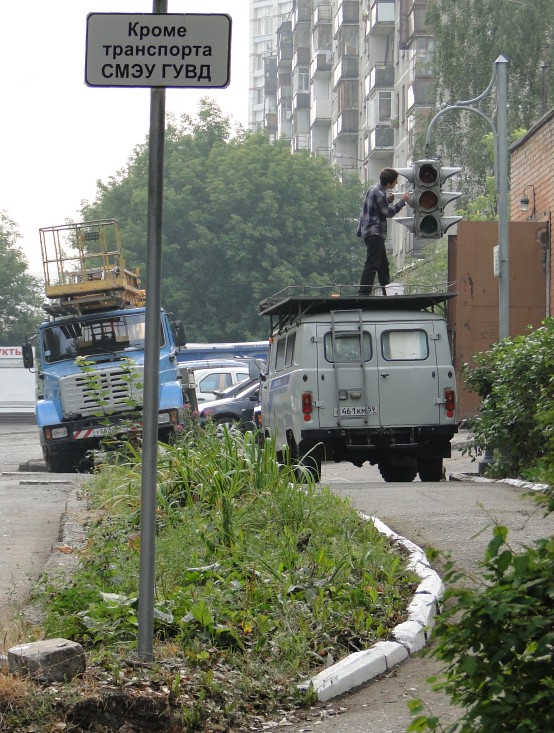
(60, 459)
(401, 473)
(430, 469)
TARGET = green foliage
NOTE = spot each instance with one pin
(430, 269)
(515, 378)
(243, 218)
(497, 643)
(256, 575)
(20, 293)
(469, 37)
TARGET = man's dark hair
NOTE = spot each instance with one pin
(388, 175)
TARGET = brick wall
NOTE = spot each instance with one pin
(532, 166)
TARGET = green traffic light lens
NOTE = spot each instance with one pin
(428, 200)
(429, 225)
(428, 174)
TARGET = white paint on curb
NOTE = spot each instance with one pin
(408, 637)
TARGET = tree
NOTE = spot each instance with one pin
(469, 37)
(243, 219)
(20, 293)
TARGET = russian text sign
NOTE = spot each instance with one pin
(158, 50)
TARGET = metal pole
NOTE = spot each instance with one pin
(503, 219)
(151, 368)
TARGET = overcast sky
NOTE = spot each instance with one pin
(59, 136)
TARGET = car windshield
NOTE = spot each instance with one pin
(94, 336)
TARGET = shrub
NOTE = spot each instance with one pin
(497, 641)
(515, 378)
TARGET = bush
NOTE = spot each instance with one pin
(497, 641)
(515, 378)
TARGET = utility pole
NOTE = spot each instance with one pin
(500, 134)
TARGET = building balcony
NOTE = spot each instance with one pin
(300, 99)
(271, 121)
(413, 21)
(300, 141)
(348, 13)
(380, 19)
(381, 141)
(301, 57)
(321, 111)
(346, 69)
(284, 55)
(346, 124)
(284, 93)
(381, 76)
(302, 12)
(323, 14)
(421, 93)
(322, 63)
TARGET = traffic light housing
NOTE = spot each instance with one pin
(428, 200)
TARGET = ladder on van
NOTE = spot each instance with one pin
(351, 363)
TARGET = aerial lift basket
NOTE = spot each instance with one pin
(84, 269)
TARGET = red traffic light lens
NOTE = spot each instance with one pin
(428, 200)
(428, 174)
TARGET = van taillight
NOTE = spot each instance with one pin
(307, 405)
(449, 402)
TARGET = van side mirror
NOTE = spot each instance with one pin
(27, 353)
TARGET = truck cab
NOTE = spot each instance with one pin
(360, 378)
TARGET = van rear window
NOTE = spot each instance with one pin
(348, 347)
(404, 345)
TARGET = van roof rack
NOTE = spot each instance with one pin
(297, 301)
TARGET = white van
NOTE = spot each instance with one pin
(360, 379)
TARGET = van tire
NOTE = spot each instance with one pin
(430, 469)
(310, 463)
(395, 472)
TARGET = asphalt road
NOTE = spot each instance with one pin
(31, 506)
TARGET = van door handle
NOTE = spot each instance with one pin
(384, 374)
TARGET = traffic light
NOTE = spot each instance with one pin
(428, 200)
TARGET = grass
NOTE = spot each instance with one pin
(260, 583)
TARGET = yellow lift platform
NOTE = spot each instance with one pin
(84, 269)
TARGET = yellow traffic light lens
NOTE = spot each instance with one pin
(428, 174)
(428, 200)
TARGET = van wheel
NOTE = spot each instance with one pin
(309, 465)
(400, 473)
(430, 469)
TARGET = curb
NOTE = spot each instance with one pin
(408, 637)
(518, 483)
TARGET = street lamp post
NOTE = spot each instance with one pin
(500, 134)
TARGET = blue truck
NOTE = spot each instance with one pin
(89, 352)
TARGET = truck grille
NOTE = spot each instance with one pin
(101, 392)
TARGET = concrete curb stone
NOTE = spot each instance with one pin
(408, 637)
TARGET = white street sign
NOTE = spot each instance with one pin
(158, 50)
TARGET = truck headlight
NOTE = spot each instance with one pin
(54, 433)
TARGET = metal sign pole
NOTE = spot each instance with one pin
(151, 368)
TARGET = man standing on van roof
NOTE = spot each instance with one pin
(378, 207)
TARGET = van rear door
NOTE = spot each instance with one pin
(408, 373)
(348, 385)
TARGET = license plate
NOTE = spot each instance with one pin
(356, 411)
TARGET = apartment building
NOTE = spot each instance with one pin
(346, 79)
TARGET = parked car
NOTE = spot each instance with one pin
(216, 375)
(233, 413)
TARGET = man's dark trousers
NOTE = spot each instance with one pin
(376, 262)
